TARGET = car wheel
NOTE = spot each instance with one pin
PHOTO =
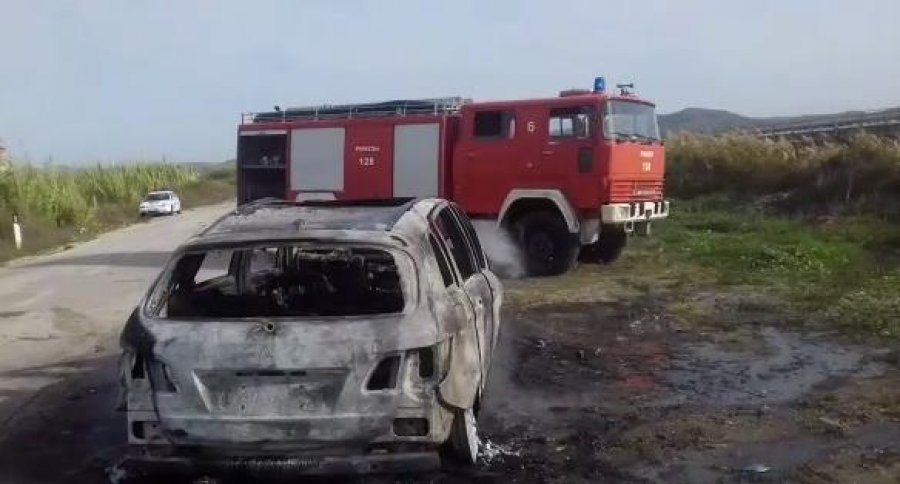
(463, 445)
(548, 246)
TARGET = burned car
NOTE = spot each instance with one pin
(314, 337)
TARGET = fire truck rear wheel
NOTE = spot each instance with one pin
(548, 245)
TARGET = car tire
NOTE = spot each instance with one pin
(547, 244)
(463, 445)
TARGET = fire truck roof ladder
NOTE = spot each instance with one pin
(407, 107)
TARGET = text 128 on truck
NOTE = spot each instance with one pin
(566, 177)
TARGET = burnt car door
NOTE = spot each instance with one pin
(473, 283)
(493, 297)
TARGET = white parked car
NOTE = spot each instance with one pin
(161, 202)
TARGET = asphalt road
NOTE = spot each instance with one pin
(60, 315)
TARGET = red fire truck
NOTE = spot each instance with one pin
(565, 176)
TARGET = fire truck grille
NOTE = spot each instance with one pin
(635, 190)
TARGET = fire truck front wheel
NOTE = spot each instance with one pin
(609, 245)
(549, 248)
(612, 241)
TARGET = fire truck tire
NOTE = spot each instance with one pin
(610, 243)
(548, 246)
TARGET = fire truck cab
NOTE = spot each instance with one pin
(564, 177)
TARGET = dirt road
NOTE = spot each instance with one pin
(596, 381)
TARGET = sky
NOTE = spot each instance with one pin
(117, 80)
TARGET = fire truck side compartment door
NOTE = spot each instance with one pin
(317, 159)
(416, 160)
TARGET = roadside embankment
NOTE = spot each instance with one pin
(57, 205)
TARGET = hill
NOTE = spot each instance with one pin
(711, 121)
(700, 120)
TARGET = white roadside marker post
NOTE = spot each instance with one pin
(17, 232)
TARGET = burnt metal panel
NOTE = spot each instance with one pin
(317, 159)
(416, 160)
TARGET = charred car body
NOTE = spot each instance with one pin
(317, 337)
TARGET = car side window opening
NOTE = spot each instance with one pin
(215, 265)
(455, 239)
(286, 281)
(575, 122)
(443, 265)
(494, 125)
(263, 260)
(474, 243)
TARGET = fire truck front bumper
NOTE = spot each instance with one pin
(619, 213)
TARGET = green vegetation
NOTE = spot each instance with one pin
(760, 232)
(845, 272)
(711, 267)
(861, 176)
(59, 205)
(814, 227)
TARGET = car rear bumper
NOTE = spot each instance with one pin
(274, 466)
(275, 434)
(154, 210)
(617, 213)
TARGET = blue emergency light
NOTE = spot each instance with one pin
(599, 84)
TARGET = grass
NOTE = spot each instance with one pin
(57, 206)
(761, 231)
(812, 226)
(845, 273)
(710, 268)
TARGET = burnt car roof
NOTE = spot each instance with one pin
(272, 217)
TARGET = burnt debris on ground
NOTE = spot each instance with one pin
(613, 387)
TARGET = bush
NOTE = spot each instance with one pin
(862, 175)
(874, 306)
(70, 197)
(59, 205)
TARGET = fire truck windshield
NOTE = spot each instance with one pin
(630, 120)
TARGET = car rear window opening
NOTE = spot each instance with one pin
(280, 281)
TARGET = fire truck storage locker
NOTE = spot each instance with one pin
(367, 159)
(261, 164)
(317, 160)
(416, 158)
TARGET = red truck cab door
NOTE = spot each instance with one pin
(568, 155)
(488, 160)
(540, 145)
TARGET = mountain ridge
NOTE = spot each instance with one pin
(713, 121)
